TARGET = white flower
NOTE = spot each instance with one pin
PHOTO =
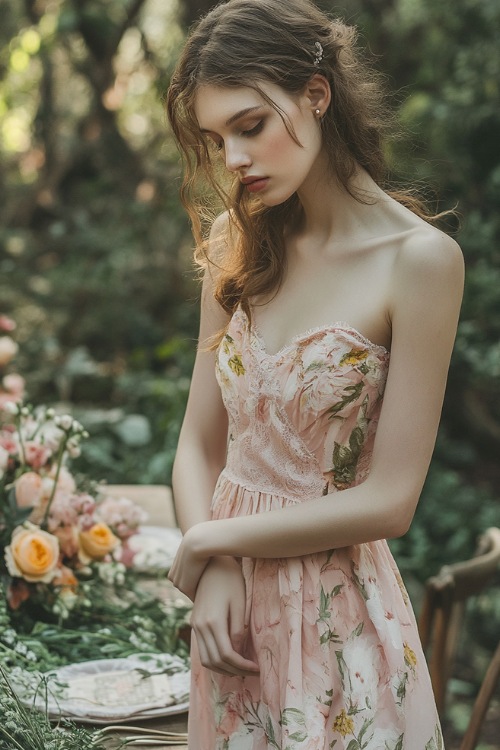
(11, 408)
(65, 422)
(362, 656)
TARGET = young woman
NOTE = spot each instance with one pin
(329, 311)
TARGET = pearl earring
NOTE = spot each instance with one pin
(318, 112)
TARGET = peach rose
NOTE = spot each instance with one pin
(96, 542)
(33, 554)
(29, 490)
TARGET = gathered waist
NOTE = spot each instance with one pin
(234, 496)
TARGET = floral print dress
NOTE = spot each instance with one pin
(334, 634)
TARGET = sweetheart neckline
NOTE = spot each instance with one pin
(337, 325)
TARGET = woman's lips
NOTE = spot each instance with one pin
(254, 186)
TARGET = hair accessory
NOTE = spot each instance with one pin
(318, 55)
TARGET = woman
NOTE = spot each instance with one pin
(305, 443)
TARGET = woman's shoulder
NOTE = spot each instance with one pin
(223, 234)
(428, 271)
(426, 252)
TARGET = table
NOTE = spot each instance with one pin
(157, 501)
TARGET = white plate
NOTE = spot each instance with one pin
(108, 691)
(155, 548)
(154, 713)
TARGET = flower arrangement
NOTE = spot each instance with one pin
(51, 529)
(69, 592)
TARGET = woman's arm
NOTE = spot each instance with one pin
(219, 607)
(427, 290)
(201, 449)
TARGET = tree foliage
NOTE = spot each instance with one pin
(95, 249)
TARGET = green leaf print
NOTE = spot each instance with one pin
(353, 745)
(360, 585)
(357, 632)
(351, 393)
(436, 742)
(300, 736)
(292, 716)
(399, 743)
(366, 726)
(332, 744)
(329, 636)
(345, 457)
(343, 670)
(227, 341)
(401, 689)
(270, 736)
(325, 601)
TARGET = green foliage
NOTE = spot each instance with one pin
(95, 249)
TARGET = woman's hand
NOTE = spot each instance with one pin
(190, 561)
(218, 618)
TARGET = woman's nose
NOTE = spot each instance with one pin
(236, 155)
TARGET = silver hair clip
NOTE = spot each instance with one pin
(318, 55)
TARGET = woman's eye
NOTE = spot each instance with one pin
(253, 131)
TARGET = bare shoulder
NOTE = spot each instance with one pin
(223, 234)
(428, 262)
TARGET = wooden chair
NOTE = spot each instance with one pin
(483, 699)
(443, 609)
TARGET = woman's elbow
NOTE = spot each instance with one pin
(399, 516)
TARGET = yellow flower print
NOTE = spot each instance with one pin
(410, 657)
(354, 357)
(236, 364)
(343, 724)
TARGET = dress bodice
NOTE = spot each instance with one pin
(302, 421)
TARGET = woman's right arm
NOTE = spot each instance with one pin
(219, 605)
(201, 449)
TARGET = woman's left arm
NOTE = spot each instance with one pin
(427, 290)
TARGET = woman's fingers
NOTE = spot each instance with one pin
(217, 653)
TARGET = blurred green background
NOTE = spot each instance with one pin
(95, 250)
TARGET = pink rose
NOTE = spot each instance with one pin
(29, 490)
(6, 324)
(8, 350)
(35, 454)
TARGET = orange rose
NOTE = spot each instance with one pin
(33, 554)
(97, 542)
(65, 578)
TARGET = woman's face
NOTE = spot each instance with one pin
(254, 140)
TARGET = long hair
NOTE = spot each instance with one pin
(244, 42)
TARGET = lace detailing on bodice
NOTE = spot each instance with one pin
(301, 421)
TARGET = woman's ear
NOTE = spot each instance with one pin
(318, 93)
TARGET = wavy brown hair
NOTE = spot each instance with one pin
(244, 42)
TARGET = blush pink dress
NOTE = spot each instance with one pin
(334, 634)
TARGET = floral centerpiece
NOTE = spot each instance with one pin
(51, 530)
(69, 592)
